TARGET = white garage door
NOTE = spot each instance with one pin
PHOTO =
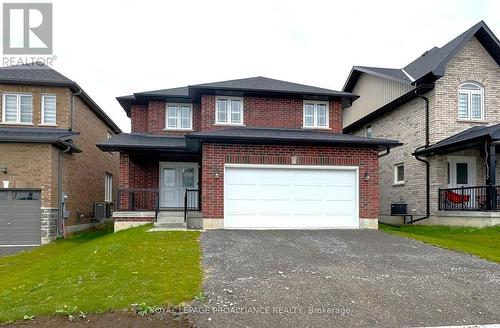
(262, 197)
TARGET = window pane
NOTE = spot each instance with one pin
(10, 108)
(186, 117)
(222, 110)
(470, 86)
(309, 115)
(169, 179)
(400, 173)
(49, 109)
(26, 108)
(369, 131)
(172, 117)
(462, 173)
(236, 111)
(476, 106)
(188, 178)
(26, 195)
(321, 114)
(463, 102)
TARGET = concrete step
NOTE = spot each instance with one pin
(194, 214)
(176, 225)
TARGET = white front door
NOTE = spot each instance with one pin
(461, 171)
(175, 178)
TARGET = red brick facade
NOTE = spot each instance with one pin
(216, 155)
(257, 112)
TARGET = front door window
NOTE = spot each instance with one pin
(176, 178)
(462, 170)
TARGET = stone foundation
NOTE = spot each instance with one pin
(49, 218)
(368, 224)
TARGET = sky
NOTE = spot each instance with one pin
(114, 48)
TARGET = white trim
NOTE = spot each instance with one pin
(471, 170)
(176, 165)
(241, 99)
(179, 117)
(18, 109)
(42, 117)
(408, 75)
(395, 170)
(469, 94)
(108, 187)
(305, 167)
(315, 115)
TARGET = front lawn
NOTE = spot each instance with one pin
(97, 271)
(483, 242)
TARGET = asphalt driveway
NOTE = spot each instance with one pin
(341, 278)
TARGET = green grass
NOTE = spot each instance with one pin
(97, 271)
(483, 242)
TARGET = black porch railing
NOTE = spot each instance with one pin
(191, 201)
(478, 198)
(136, 199)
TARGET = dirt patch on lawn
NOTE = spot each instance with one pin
(110, 319)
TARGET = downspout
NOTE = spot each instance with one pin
(425, 161)
(60, 217)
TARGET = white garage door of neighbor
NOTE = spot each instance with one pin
(290, 198)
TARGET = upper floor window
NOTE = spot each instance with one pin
(471, 101)
(17, 108)
(229, 111)
(368, 132)
(49, 109)
(315, 114)
(179, 117)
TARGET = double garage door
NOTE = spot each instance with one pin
(290, 197)
(19, 217)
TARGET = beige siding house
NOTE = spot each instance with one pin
(461, 82)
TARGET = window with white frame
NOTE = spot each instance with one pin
(17, 108)
(368, 132)
(471, 101)
(229, 111)
(179, 117)
(49, 109)
(109, 135)
(108, 187)
(315, 114)
(399, 173)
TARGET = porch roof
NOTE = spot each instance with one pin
(472, 137)
(60, 138)
(285, 137)
(142, 142)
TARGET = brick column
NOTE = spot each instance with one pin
(124, 179)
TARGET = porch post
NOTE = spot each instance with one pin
(491, 181)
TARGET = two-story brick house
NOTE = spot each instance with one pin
(51, 172)
(250, 153)
(445, 108)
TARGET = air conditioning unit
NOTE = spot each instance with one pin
(399, 209)
(102, 210)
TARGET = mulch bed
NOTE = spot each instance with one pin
(110, 319)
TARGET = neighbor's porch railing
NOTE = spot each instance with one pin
(478, 198)
(192, 201)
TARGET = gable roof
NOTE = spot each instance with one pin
(431, 64)
(253, 85)
(37, 73)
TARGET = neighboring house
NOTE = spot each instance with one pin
(461, 82)
(250, 153)
(51, 172)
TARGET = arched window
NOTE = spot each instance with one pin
(471, 101)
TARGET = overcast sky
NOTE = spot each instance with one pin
(114, 48)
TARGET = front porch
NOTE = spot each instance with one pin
(465, 189)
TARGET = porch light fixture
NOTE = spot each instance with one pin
(294, 160)
(3, 169)
(216, 175)
(367, 176)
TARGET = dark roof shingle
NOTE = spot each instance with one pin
(125, 141)
(61, 138)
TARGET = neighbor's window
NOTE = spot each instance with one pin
(471, 101)
(399, 173)
(179, 116)
(17, 108)
(108, 187)
(315, 114)
(368, 132)
(48, 109)
(229, 110)
(110, 135)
